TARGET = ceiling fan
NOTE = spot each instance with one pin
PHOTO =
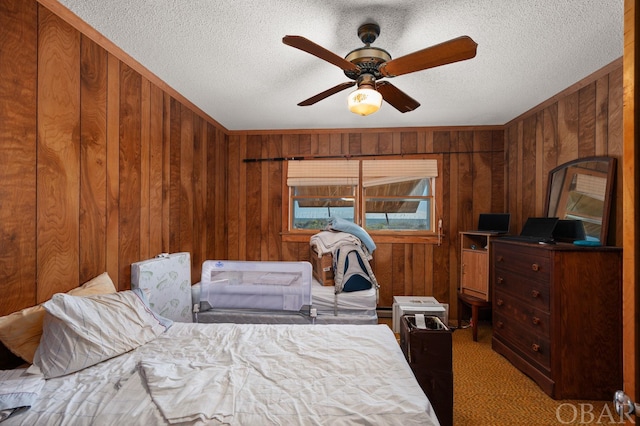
(367, 65)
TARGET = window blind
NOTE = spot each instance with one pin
(322, 172)
(593, 186)
(382, 172)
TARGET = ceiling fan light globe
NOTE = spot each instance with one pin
(364, 101)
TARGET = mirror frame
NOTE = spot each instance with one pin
(555, 192)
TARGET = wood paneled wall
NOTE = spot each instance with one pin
(473, 177)
(99, 167)
(584, 120)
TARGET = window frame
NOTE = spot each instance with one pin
(382, 236)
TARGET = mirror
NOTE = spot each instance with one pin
(581, 190)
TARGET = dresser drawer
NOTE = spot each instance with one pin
(536, 320)
(534, 347)
(528, 262)
(531, 292)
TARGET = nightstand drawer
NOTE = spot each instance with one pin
(531, 292)
(536, 320)
(529, 345)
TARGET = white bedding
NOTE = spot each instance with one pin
(324, 297)
(243, 374)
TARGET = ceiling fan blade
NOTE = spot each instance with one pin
(396, 97)
(457, 49)
(310, 47)
(320, 96)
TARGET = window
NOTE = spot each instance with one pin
(321, 189)
(379, 195)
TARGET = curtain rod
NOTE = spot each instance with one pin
(348, 157)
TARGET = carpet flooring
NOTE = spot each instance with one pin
(489, 391)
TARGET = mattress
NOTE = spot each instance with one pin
(243, 375)
(324, 299)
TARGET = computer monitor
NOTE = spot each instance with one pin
(494, 222)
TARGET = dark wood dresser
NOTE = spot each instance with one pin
(557, 312)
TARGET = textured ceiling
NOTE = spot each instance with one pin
(227, 56)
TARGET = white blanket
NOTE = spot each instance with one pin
(18, 391)
(329, 241)
(186, 391)
(243, 374)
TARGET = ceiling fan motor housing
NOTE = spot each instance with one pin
(368, 60)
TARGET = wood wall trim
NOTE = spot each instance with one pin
(87, 30)
(363, 130)
(631, 197)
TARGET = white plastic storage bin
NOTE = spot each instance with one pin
(403, 305)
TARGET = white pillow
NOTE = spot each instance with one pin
(79, 332)
(21, 331)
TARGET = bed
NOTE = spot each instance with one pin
(240, 300)
(108, 359)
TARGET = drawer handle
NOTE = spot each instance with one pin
(535, 347)
(499, 302)
(499, 280)
(500, 258)
(500, 324)
(535, 320)
(535, 294)
(535, 267)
